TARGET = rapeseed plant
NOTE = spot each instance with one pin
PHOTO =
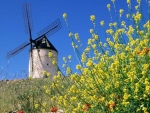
(116, 78)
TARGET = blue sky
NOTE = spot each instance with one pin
(44, 12)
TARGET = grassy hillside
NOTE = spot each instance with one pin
(16, 94)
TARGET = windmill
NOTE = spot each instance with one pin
(39, 47)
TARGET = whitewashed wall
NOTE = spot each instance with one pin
(41, 61)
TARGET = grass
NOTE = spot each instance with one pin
(14, 93)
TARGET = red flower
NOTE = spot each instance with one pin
(86, 106)
(112, 105)
(146, 50)
(53, 109)
(20, 111)
(139, 52)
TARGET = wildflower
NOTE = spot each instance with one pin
(30, 77)
(96, 37)
(123, 23)
(47, 91)
(73, 44)
(128, 1)
(86, 106)
(108, 6)
(48, 74)
(64, 59)
(92, 17)
(102, 23)
(115, 24)
(91, 30)
(144, 109)
(89, 63)
(50, 54)
(146, 50)
(54, 109)
(36, 106)
(113, 1)
(127, 15)
(69, 57)
(64, 15)
(70, 34)
(68, 70)
(126, 96)
(139, 1)
(78, 66)
(121, 11)
(20, 111)
(139, 52)
(137, 7)
(44, 72)
(111, 105)
(54, 62)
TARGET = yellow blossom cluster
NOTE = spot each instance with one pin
(111, 76)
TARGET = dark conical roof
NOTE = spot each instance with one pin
(44, 43)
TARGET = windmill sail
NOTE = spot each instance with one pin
(17, 50)
(51, 29)
(27, 18)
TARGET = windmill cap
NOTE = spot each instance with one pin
(44, 43)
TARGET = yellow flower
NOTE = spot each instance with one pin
(126, 96)
(121, 11)
(144, 109)
(54, 62)
(89, 41)
(50, 54)
(64, 15)
(108, 6)
(47, 91)
(137, 7)
(68, 71)
(128, 1)
(92, 17)
(36, 106)
(64, 59)
(89, 63)
(73, 44)
(44, 72)
(139, 1)
(127, 15)
(70, 34)
(48, 74)
(91, 30)
(102, 23)
(76, 35)
(123, 23)
(69, 57)
(113, 1)
(78, 66)
(94, 46)
(115, 24)
(147, 89)
(44, 105)
(96, 37)
(30, 77)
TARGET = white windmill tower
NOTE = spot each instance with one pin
(40, 60)
(39, 47)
